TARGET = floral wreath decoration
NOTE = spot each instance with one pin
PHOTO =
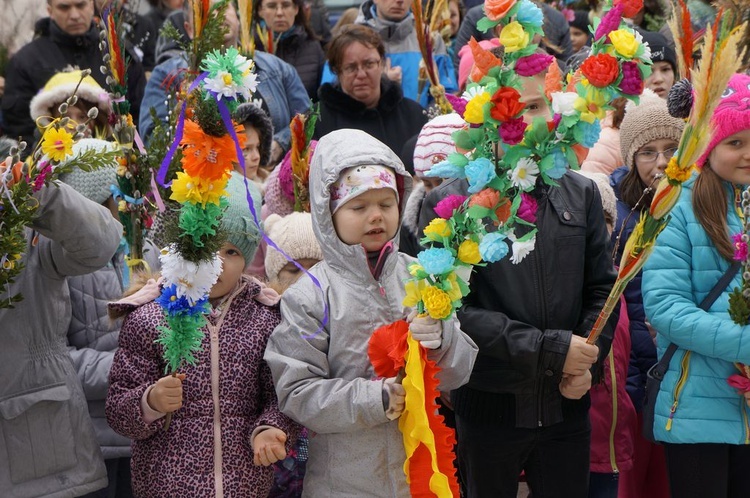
(20, 180)
(506, 156)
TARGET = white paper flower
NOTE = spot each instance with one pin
(524, 174)
(223, 85)
(646, 48)
(473, 92)
(562, 103)
(194, 281)
(520, 249)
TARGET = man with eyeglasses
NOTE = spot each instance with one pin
(394, 22)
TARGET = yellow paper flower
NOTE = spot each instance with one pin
(468, 252)
(414, 268)
(57, 143)
(122, 206)
(624, 42)
(413, 293)
(591, 105)
(676, 173)
(455, 291)
(437, 229)
(197, 190)
(474, 112)
(437, 303)
(513, 37)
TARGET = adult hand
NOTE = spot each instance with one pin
(575, 386)
(268, 447)
(426, 330)
(580, 356)
(277, 153)
(166, 395)
(394, 398)
(393, 73)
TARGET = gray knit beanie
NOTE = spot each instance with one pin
(252, 115)
(94, 185)
(649, 120)
(237, 219)
(294, 235)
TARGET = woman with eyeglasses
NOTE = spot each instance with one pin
(362, 98)
(285, 31)
(648, 139)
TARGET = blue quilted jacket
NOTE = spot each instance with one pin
(695, 404)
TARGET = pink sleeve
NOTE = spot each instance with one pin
(149, 414)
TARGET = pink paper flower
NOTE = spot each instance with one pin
(511, 132)
(445, 208)
(610, 22)
(533, 64)
(527, 209)
(458, 104)
(740, 247)
(632, 83)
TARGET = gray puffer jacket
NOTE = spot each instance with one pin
(325, 381)
(92, 340)
(47, 443)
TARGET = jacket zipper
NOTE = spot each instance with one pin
(543, 313)
(684, 370)
(612, 456)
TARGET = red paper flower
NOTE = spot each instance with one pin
(601, 70)
(506, 104)
(630, 7)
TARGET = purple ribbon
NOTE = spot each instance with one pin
(162, 176)
(227, 119)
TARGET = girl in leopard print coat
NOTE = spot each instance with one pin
(226, 428)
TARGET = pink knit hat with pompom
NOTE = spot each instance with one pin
(732, 115)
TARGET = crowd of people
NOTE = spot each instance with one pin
(282, 400)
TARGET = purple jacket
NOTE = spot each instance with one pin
(229, 391)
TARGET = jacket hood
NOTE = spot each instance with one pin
(390, 31)
(335, 153)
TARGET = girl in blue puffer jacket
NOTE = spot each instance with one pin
(704, 423)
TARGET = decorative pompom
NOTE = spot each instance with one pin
(680, 99)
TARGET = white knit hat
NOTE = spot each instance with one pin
(61, 86)
(294, 235)
(94, 185)
(609, 201)
(434, 143)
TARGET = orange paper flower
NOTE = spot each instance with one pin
(206, 156)
(497, 9)
(487, 198)
(484, 60)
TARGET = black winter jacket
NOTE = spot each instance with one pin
(522, 315)
(307, 57)
(50, 52)
(394, 121)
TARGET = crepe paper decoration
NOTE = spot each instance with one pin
(429, 71)
(682, 29)
(247, 40)
(428, 443)
(509, 154)
(302, 128)
(719, 62)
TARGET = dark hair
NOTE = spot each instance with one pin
(631, 189)
(354, 33)
(301, 19)
(710, 207)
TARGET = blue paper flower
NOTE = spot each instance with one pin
(493, 247)
(530, 14)
(559, 165)
(479, 172)
(174, 305)
(446, 169)
(587, 134)
(436, 261)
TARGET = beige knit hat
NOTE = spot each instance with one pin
(649, 120)
(294, 235)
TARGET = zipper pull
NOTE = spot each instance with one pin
(381, 288)
(671, 415)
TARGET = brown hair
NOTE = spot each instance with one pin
(710, 207)
(353, 33)
(346, 19)
(301, 19)
(631, 189)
